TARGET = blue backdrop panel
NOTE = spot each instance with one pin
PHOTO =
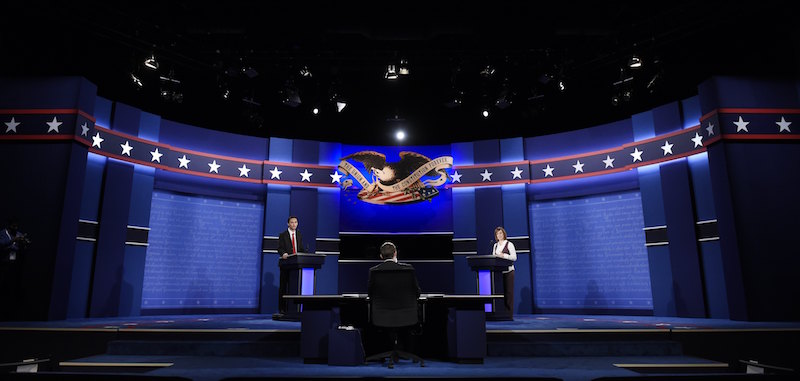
(686, 276)
(328, 227)
(590, 253)
(130, 298)
(488, 201)
(78, 305)
(714, 279)
(303, 205)
(204, 253)
(303, 201)
(766, 225)
(108, 264)
(488, 216)
(586, 140)
(434, 215)
(212, 141)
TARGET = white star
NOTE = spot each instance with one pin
(637, 155)
(710, 128)
(667, 147)
(741, 125)
(184, 162)
(486, 175)
(244, 171)
(84, 129)
(336, 177)
(306, 175)
(698, 140)
(213, 167)
(126, 148)
(276, 174)
(96, 140)
(784, 125)
(517, 173)
(609, 161)
(54, 125)
(156, 155)
(12, 125)
(548, 171)
(578, 166)
(456, 177)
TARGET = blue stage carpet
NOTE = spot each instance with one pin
(520, 322)
(565, 368)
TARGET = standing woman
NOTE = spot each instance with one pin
(503, 248)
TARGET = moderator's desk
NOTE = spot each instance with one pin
(454, 326)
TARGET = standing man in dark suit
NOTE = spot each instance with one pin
(290, 242)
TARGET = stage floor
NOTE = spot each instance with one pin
(537, 322)
(556, 335)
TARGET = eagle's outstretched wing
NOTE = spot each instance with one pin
(410, 162)
(370, 159)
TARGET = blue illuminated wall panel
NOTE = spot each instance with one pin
(590, 254)
(204, 253)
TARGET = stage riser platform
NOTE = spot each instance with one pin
(586, 348)
(206, 348)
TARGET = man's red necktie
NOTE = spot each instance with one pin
(294, 247)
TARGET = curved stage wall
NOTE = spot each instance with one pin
(684, 210)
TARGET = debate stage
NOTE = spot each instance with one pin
(566, 347)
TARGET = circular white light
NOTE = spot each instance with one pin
(485, 113)
(315, 111)
(400, 135)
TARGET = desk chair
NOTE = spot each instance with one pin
(393, 303)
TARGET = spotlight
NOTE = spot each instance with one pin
(561, 85)
(455, 100)
(290, 96)
(635, 62)
(226, 94)
(337, 99)
(504, 99)
(391, 73)
(305, 72)
(151, 62)
(400, 135)
(249, 71)
(487, 71)
(315, 110)
(403, 69)
(485, 113)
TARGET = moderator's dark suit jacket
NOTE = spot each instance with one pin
(285, 242)
(393, 294)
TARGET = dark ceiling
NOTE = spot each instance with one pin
(251, 50)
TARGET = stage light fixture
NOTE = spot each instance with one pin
(340, 105)
(305, 72)
(487, 71)
(151, 62)
(136, 81)
(403, 69)
(315, 110)
(562, 86)
(485, 113)
(400, 135)
(391, 73)
(635, 62)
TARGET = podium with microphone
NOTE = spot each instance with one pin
(302, 270)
